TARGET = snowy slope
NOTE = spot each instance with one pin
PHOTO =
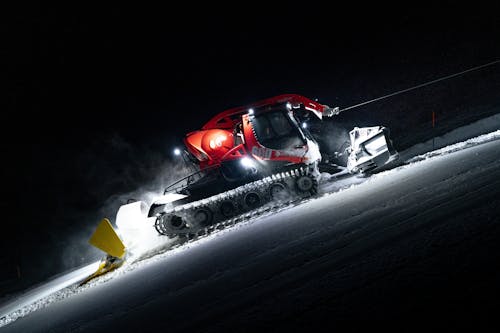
(334, 258)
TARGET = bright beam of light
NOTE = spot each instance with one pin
(247, 162)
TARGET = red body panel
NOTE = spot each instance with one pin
(216, 142)
(229, 118)
(209, 146)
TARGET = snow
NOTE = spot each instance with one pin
(43, 295)
(259, 259)
(479, 128)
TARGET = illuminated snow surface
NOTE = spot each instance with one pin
(169, 283)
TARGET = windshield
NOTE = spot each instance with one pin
(276, 131)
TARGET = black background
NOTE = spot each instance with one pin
(94, 98)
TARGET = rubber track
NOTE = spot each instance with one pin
(236, 196)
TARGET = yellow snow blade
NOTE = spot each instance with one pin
(106, 239)
(104, 266)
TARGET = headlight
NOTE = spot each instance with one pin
(247, 162)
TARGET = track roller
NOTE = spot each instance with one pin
(203, 217)
(228, 209)
(252, 200)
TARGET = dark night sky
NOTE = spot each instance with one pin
(94, 98)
